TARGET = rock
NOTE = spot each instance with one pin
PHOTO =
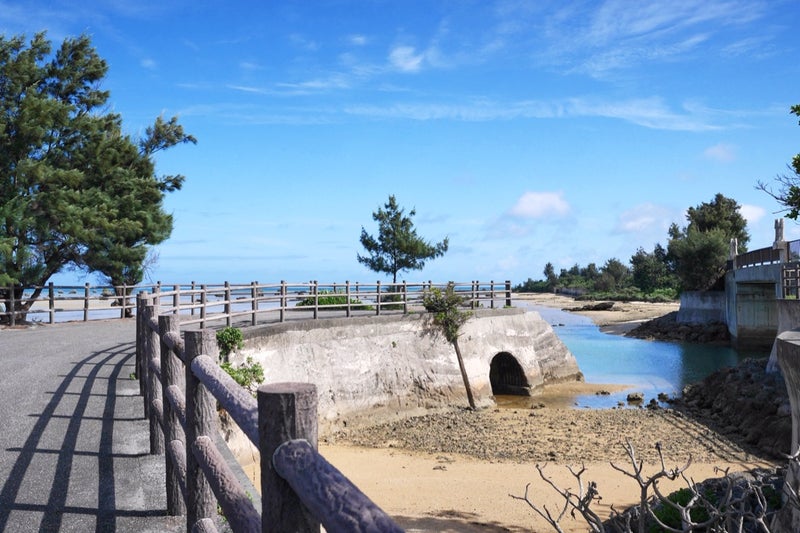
(667, 328)
(745, 403)
(635, 397)
(600, 306)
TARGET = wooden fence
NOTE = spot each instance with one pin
(181, 383)
(225, 304)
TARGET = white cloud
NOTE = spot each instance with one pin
(721, 152)
(650, 113)
(644, 218)
(148, 63)
(752, 213)
(540, 204)
(357, 39)
(405, 59)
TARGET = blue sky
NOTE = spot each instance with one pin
(525, 131)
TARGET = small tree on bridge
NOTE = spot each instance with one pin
(397, 247)
(445, 306)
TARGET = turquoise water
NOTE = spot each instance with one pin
(650, 367)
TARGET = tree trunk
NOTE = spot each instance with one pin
(464, 375)
(122, 294)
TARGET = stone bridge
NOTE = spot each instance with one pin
(388, 365)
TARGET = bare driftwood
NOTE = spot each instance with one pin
(737, 504)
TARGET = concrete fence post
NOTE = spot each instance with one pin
(171, 374)
(151, 353)
(286, 411)
(201, 416)
(228, 319)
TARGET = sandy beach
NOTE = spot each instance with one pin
(457, 473)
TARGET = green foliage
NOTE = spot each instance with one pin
(788, 193)
(446, 314)
(397, 247)
(671, 517)
(249, 375)
(653, 271)
(75, 190)
(228, 340)
(333, 300)
(531, 285)
(445, 308)
(700, 258)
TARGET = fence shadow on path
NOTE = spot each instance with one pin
(84, 465)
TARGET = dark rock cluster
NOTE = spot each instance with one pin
(745, 403)
(667, 328)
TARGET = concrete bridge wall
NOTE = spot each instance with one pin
(386, 365)
(702, 307)
(751, 305)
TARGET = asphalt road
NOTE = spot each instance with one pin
(73, 440)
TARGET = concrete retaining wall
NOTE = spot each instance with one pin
(390, 365)
(701, 307)
(788, 356)
(788, 320)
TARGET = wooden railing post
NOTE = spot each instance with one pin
(491, 294)
(508, 293)
(151, 347)
(254, 303)
(141, 365)
(203, 304)
(286, 411)
(192, 298)
(201, 416)
(347, 297)
(378, 298)
(315, 292)
(86, 302)
(176, 299)
(171, 374)
(405, 297)
(283, 301)
(228, 319)
(51, 297)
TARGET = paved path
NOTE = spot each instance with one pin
(73, 438)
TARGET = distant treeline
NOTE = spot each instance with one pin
(649, 278)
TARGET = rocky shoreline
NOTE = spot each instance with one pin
(743, 410)
(666, 328)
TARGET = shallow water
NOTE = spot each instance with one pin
(650, 367)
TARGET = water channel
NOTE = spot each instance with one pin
(650, 367)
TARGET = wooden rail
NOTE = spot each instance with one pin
(225, 304)
(182, 383)
(762, 256)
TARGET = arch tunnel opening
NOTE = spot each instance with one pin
(507, 377)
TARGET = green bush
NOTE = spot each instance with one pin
(672, 517)
(334, 300)
(249, 375)
(228, 340)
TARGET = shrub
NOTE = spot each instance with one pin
(228, 340)
(249, 375)
(334, 300)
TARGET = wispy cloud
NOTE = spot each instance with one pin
(721, 152)
(602, 38)
(646, 217)
(405, 59)
(651, 113)
(357, 39)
